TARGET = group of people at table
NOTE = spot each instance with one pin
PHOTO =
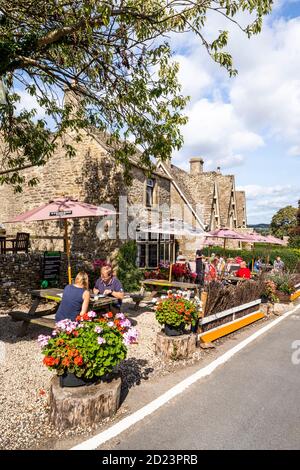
(76, 297)
(217, 267)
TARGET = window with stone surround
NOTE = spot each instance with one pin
(153, 249)
(150, 192)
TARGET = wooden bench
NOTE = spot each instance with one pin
(17, 315)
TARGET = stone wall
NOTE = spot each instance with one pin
(21, 273)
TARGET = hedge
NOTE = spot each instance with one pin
(290, 256)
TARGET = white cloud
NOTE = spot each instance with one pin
(264, 201)
(237, 116)
(254, 191)
(215, 132)
(294, 151)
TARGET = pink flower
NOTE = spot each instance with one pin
(43, 340)
(100, 340)
(125, 323)
(130, 336)
(110, 323)
(98, 329)
(120, 316)
(92, 314)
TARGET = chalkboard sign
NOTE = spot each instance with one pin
(51, 267)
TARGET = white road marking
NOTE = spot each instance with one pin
(146, 410)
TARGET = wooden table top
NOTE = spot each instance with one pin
(55, 294)
(165, 283)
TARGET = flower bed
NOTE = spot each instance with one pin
(180, 272)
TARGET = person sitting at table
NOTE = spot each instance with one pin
(75, 299)
(278, 265)
(181, 258)
(257, 267)
(211, 271)
(243, 271)
(109, 285)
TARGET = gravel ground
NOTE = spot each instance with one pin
(25, 381)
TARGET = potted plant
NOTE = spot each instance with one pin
(88, 349)
(269, 293)
(284, 286)
(175, 313)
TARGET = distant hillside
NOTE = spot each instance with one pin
(261, 228)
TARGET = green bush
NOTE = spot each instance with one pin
(128, 272)
(290, 256)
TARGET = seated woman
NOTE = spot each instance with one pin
(243, 271)
(75, 300)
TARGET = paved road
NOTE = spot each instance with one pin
(251, 402)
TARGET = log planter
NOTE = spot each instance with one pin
(175, 347)
(283, 297)
(71, 407)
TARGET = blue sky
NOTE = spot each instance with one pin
(249, 125)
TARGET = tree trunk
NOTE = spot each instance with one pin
(83, 406)
(175, 347)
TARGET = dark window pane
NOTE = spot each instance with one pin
(142, 255)
(153, 256)
(149, 196)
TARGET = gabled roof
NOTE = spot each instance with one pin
(201, 188)
(103, 137)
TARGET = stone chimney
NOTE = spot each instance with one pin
(196, 165)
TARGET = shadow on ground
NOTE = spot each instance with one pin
(133, 371)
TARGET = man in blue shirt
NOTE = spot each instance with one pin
(109, 285)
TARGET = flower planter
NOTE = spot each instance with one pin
(83, 406)
(71, 380)
(174, 331)
(283, 297)
(175, 347)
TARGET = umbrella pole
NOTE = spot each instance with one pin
(68, 251)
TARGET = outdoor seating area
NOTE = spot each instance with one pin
(152, 320)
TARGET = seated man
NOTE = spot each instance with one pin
(243, 271)
(109, 285)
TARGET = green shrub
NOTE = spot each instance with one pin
(128, 272)
(290, 256)
(283, 281)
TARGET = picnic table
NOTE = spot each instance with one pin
(160, 284)
(53, 295)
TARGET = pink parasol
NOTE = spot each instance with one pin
(227, 233)
(275, 240)
(63, 208)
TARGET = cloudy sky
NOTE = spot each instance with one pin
(250, 124)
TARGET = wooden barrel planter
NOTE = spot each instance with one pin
(83, 406)
(175, 347)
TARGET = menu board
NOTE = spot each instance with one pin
(51, 267)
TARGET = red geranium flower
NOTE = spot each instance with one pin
(49, 361)
(78, 361)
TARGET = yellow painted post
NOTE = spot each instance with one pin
(68, 251)
(170, 272)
